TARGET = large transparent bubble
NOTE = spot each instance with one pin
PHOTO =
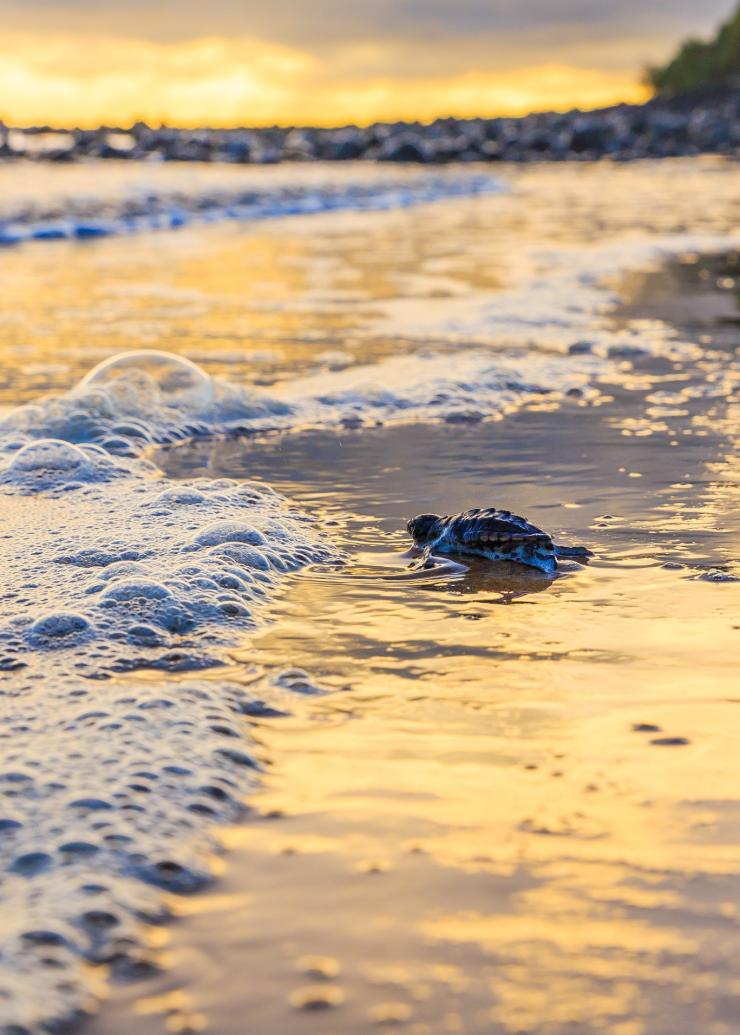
(176, 381)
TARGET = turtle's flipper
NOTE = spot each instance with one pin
(578, 552)
(428, 559)
(422, 559)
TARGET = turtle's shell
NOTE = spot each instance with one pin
(478, 529)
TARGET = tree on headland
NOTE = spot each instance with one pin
(702, 65)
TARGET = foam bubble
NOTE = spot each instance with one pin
(162, 377)
(180, 498)
(229, 532)
(125, 590)
(53, 461)
(49, 455)
(59, 625)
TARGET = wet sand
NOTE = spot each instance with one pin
(503, 804)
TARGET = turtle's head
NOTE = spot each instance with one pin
(423, 527)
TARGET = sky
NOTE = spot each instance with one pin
(329, 62)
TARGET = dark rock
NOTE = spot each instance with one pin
(405, 149)
(706, 123)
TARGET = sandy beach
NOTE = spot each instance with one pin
(476, 802)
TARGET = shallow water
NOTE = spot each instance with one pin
(488, 801)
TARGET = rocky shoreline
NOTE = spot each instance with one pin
(657, 129)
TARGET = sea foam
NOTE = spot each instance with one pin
(110, 786)
(146, 398)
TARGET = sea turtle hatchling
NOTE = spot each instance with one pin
(497, 535)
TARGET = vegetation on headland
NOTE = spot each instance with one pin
(702, 65)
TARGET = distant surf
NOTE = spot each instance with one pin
(76, 206)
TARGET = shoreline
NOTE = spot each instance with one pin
(660, 128)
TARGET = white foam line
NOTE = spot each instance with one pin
(165, 213)
(569, 303)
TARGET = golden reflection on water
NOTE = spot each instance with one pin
(532, 784)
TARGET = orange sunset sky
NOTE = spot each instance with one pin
(251, 62)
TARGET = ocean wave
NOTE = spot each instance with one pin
(145, 398)
(163, 200)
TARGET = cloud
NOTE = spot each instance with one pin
(258, 61)
(248, 82)
(318, 23)
(200, 81)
